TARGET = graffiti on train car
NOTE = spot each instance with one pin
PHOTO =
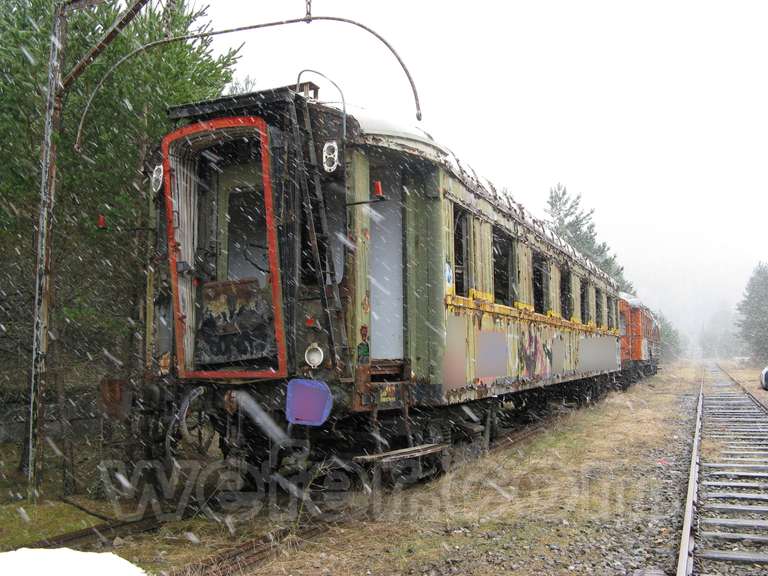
(237, 323)
(535, 352)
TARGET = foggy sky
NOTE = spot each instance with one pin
(656, 112)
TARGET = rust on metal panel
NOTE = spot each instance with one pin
(115, 397)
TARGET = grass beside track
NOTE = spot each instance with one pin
(23, 523)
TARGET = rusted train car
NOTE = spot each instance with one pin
(640, 337)
(349, 276)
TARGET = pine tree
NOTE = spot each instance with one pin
(93, 268)
(753, 311)
(672, 344)
(577, 227)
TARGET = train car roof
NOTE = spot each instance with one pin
(377, 131)
(635, 302)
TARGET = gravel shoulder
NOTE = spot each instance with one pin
(600, 491)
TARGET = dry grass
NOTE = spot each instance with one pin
(178, 543)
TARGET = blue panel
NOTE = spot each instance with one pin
(308, 402)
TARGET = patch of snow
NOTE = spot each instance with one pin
(66, 562)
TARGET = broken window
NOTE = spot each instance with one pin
(235, 277)
(566, 294)
(461, 250)
(540, 283)
(584, 301)
(599, 307)
(504, 268)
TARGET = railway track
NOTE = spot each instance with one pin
(725, 527)
(105, 532)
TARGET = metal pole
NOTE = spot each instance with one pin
(113, 32)
(43, 263)
(43, 287)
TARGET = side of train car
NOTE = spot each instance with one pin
(308, 258)
(640, 336)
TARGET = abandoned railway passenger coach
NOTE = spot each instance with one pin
(640, 336)
(344, 274)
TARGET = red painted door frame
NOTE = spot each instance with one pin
(260, 127)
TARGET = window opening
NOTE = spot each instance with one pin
(504, 268)
(584, 301)
(540, 283)
(599, 307)
(566, 295)
(611, 313)
(461, 251)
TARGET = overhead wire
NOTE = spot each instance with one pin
(306, 19)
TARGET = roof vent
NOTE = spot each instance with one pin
(307, 89)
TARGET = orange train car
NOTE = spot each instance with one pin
(640, 336)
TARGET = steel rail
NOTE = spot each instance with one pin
(687, 541)
(735, 420)
(100, 532)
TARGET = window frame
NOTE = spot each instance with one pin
(599, 308)
(508, 240)
(611, 302)
(566, 278)
(459, 212)
(585, 312)
(543, 265)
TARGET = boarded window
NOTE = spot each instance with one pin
(461, 250)
(504, 268)
(540, 283)
(566, 294)
(584, 301)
